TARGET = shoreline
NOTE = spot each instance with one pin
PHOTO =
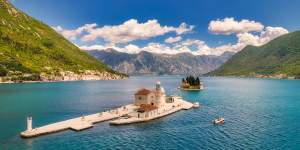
(27, 82)
(123, 78)
(185, 89)
(67, 76)
(252, 77)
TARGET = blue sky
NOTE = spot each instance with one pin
(70, 15)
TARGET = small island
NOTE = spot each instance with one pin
(191, 83)
(148, 105)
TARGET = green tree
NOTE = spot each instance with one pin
(3, 71)
(197, 81)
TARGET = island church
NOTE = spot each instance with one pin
(155, 98)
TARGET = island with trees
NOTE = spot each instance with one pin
(191, 83)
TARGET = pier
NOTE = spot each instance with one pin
(76, 124)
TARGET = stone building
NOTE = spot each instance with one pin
(156, 97)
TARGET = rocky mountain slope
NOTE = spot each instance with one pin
(151, 63)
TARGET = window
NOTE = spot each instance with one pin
(140, 98)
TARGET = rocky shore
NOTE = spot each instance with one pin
(61, 76)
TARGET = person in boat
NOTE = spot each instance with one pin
(219, 120)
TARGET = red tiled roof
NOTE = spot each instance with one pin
(143, 92)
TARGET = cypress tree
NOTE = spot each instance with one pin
(197, 81)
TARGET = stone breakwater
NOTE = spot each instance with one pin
(63, 76)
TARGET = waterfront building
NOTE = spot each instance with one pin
(151, 98)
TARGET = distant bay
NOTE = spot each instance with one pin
(259, 114)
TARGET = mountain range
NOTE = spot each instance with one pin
(31, 50)
(158, 64)
(279, 58)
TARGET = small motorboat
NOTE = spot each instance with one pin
(219, 120)
(196, 105)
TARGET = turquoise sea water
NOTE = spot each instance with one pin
(259, 113)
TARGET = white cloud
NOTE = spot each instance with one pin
(244, 39)
(229, 26)
(173, 39)
(94, 47)
(247, 33)
(190, 42)
(131, 49)
(248, 39)
(271, 33)
(73, 34)
(268, 34)
(130, 30)
(159, 48)
(183, 28)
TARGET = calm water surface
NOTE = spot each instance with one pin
(259, 113)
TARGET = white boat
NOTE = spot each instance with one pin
(219, 120)
(196, 105)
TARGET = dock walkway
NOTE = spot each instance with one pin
(79, 123)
